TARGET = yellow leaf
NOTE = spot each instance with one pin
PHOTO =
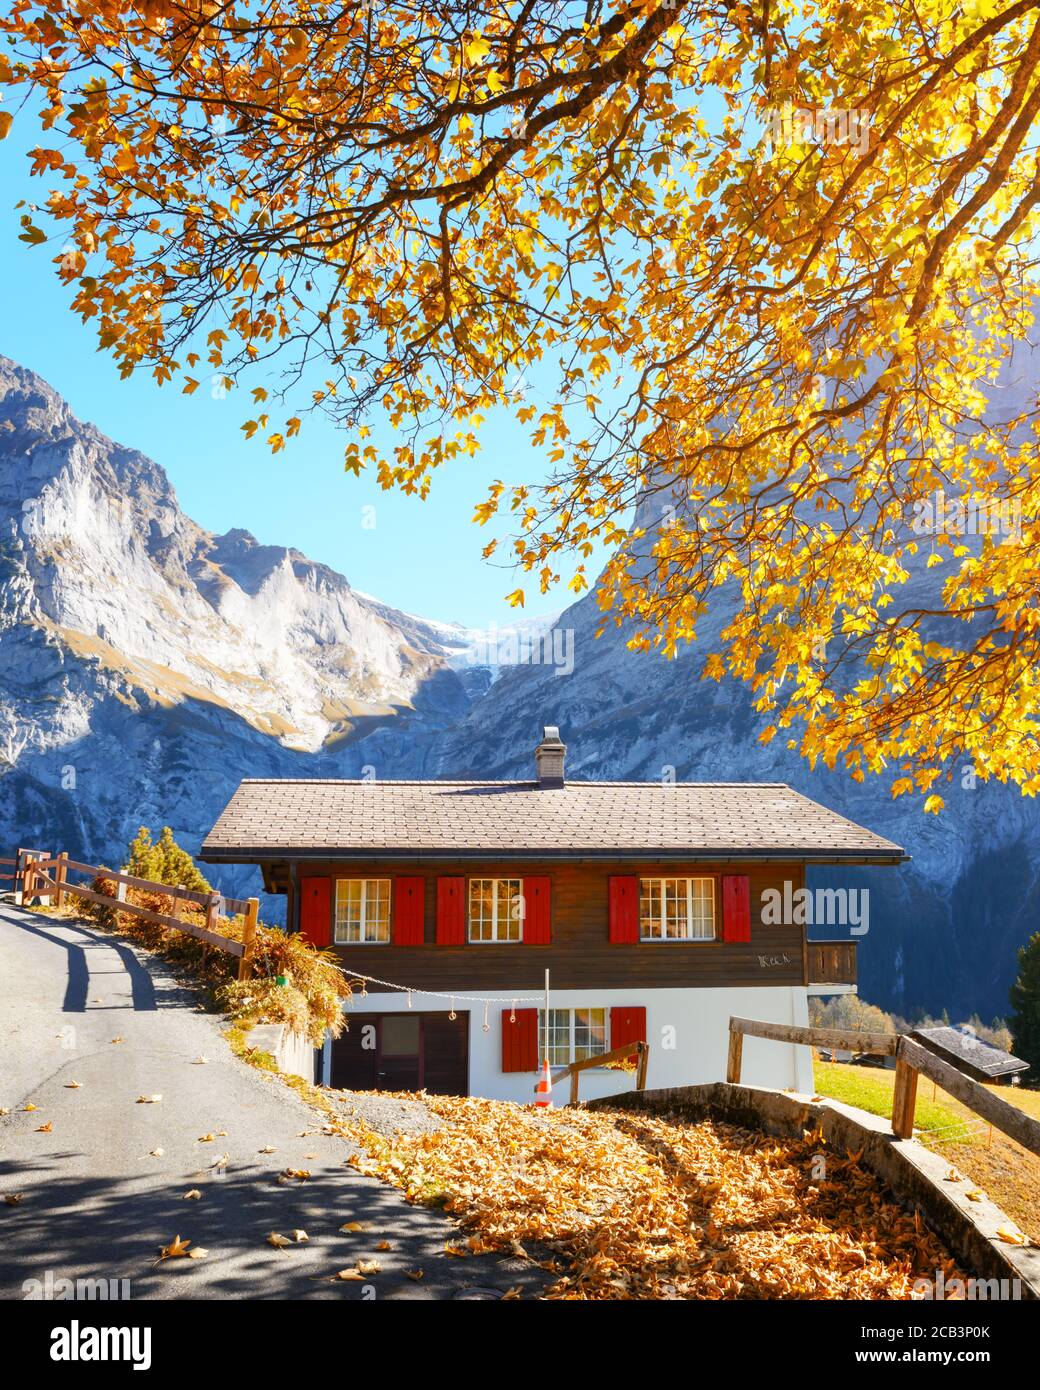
(1010, 1236)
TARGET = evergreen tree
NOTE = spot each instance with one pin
(1025, 1003)
(163, 861)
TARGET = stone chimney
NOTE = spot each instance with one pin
(548, 758)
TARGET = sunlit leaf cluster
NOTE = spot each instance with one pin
(748, 359)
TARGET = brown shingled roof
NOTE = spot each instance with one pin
(283, 819)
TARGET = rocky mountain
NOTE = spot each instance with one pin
(146, 665)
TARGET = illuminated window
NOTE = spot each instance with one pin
(574, 1035)
(495, 909)
(362, 910)
(677, 909)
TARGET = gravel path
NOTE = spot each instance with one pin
(385, 1114)
(102, 1178)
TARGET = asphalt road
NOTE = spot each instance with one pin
(98, 1202)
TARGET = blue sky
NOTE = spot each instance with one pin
(422, 557)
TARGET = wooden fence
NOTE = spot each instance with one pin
(38, 875)
(640, 1049)
(912, 1061)
(11, 869)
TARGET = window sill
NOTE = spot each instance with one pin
(678, 941)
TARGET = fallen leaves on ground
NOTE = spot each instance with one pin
(176, 1250)
(148, 1100)
(45, 1129)
(1010, 1235)
(73, 1085)
(14, 1198)
(633, 1205)
(192, 1196)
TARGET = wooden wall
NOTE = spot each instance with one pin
(581, 955)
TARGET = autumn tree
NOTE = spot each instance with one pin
(764, 259)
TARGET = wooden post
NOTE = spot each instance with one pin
(28, 881)
(212, 915)
(574, 1087)
(245, 964)
(736, 1053)
(641, 1065)
(19, 880)
(904, 1099)
(60, 873)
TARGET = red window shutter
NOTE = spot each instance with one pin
(409, 903)
(736, 907)
(627, 1025)
(316, 910)
(451, 912)
(624, 908)
(537, 899)
(520, 1040)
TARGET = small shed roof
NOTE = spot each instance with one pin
(967, 1051)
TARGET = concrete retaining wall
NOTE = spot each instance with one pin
(293, 1053)
(916, 1176)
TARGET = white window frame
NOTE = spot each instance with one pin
(364, 939)
(497, 938)
(661, 921)
(572, 1024)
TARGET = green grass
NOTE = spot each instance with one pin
(870, 1089)
(1009, 1174)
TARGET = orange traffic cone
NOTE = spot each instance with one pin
(543, 1091)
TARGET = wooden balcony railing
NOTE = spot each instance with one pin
(831, 962)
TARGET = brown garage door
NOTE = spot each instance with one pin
(410, 1051)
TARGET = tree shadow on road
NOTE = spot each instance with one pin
(112, 1229)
